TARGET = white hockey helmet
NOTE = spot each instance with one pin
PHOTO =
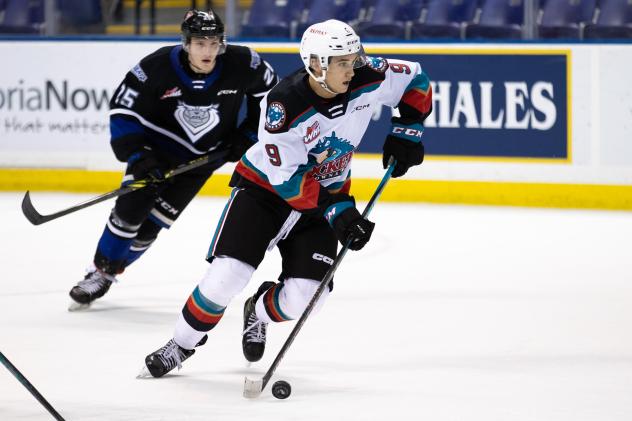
(324, 40)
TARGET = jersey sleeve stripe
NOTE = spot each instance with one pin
(120, 127)
(418, 93)
(418, 99)
(158, 129)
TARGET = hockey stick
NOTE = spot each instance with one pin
(36, 218)
(253, 388)
(16, 373)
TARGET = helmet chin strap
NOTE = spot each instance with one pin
(321, 80)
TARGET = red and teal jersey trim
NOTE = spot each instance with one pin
(341, 186)
(418, 94)
(301, 191)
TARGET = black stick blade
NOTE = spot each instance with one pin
(36, 218)
(29, 211)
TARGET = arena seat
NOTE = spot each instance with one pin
(80, 12)
(444, 19)
(565, 18)
(386, 20)
(22, 17)
(272, 19)
(349, 11)
(614, 21)
(498, 19)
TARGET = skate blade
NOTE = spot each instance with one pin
(252, 388)
(144, 373)
(75, 306)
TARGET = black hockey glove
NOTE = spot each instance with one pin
(241, 141)
(145, 164)
(407, 154)
(347, 222)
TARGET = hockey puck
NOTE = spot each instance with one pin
(281, 389)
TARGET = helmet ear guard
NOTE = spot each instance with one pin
(200, 24)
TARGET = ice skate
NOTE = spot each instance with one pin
(165, 359)
(94, 285)
(253, 341)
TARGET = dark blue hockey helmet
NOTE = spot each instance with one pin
(199, 24)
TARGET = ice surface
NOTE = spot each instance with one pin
(449, 313)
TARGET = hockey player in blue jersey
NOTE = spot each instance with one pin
(176, 104)
(291, 189)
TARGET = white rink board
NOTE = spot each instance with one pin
(38, 133)
(73, 133)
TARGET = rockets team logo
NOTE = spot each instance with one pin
(197, 120)
(331, 155)
(275, 117)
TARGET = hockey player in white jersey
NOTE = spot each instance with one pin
(291, 189)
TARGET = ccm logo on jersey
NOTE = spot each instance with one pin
(312, 133)
(360, 107)
(275, 117)
(319, 257)
(172, 93)
(407, 131)
(227, 92)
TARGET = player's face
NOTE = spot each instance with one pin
(340, 72)
(202, 53)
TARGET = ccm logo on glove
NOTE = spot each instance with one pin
(319, 257)
(407, 131)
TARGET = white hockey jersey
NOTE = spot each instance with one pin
(306, 143)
